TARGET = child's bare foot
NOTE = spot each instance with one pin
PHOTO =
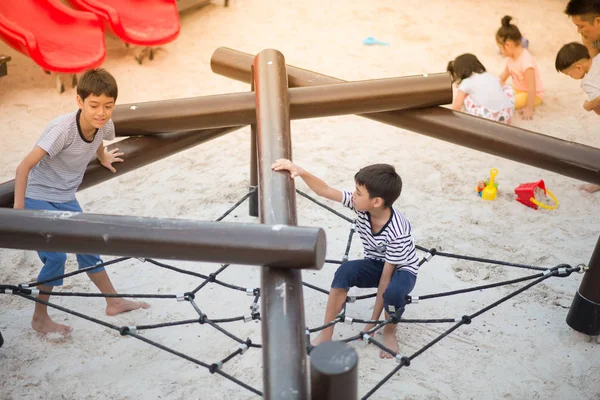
(590, 188)
(323, 337)
(389, 341)
(118, 306)
(45, 325)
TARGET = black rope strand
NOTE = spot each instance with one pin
(475, 288)
(230, 335)
(115, 295)
(167, 324)
(489, 261)
(513, 294)
(210, 278)
(325, 206)
(236, 205)
(172, 268)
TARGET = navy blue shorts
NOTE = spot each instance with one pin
(366, 273)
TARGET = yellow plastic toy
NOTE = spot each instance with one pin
(490, 191)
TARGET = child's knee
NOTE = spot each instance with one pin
(343, 277)
(394, 300)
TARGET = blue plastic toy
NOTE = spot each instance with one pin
(371, 41)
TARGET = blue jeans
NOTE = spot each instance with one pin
(366, 273)
(54, 263)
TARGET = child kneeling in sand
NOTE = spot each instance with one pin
(480, 92)
(521, 67)
(574, 60)
(49, 176)
(390, 262)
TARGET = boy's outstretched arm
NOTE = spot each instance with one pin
(315, 184)
(22, 174)
(384, 281)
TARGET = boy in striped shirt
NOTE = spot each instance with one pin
(50, 174)
(390, 263)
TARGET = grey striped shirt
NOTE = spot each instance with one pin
(393, 244)
(58, 175)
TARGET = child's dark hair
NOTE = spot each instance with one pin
(508, 31)
(380, 180)
(569, 54)
(587, 10)
(97, 82)
(464, 66)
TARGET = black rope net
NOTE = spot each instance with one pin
(241, 345)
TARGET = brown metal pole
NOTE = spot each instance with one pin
(283, 325)
(139, 151)
(177, 239)
(584, 314)
(567, 158)
(253, 199)
(333, 372)
(238, 109)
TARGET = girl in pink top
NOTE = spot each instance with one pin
(521, 67)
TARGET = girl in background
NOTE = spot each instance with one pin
(480, 92)
(521, 67)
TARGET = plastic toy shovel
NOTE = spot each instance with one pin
(490, 192)
(371, 41)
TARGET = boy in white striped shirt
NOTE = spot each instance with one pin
(50, 174)
(390, 262)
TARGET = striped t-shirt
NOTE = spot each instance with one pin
(393, 244)
(58, 175)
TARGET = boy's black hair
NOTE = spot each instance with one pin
(508, 31)
(587, 10)
(380, 180)
(97, 82)
(464, 66)
(569, 54)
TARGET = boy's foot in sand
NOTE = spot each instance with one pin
(119, 306)
(389, 341)
(590, 188)
(320, 339)
(45, 325)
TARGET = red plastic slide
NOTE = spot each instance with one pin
(56, 37)
(139, 22)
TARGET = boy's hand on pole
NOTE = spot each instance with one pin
(111, 156)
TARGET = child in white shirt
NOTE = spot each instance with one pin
(573, 59)
(480, 92)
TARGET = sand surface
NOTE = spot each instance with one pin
(522, 349)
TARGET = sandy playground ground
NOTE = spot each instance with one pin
(522, 349)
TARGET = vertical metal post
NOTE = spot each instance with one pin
(584, 315)
(333, 372)
(283, 325)
(253, 200)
